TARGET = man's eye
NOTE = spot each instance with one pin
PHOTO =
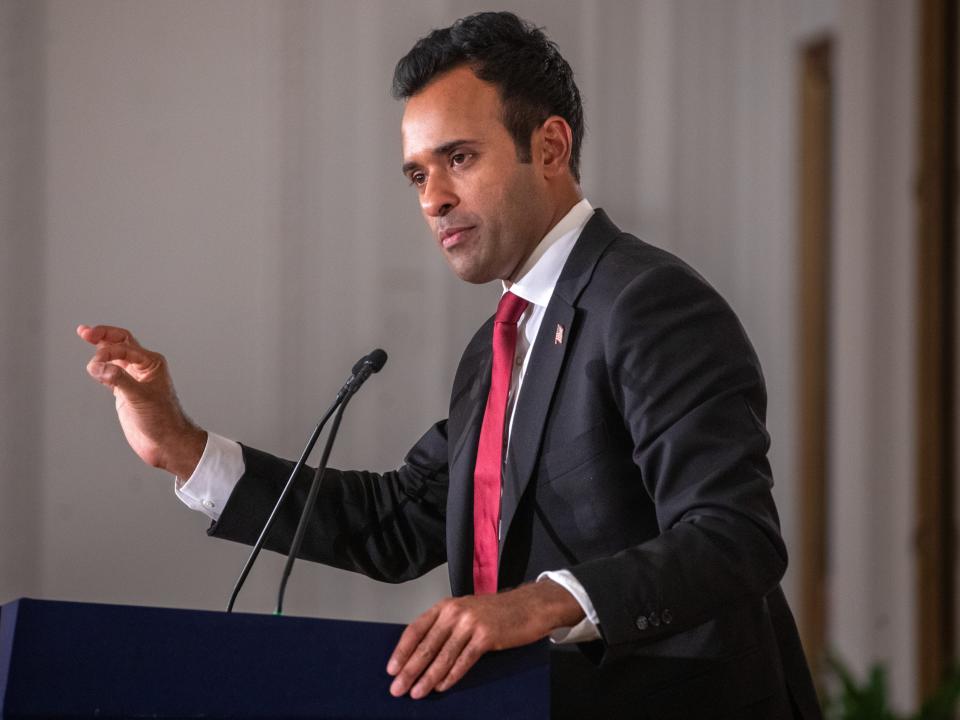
(458, 158)
(418, 178)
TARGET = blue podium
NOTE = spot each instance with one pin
(80, 660)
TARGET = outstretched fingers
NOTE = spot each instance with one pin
(112, 376)
(123, 366)
(122, 355)
(97, 334)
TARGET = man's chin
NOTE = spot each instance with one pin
(471, 274)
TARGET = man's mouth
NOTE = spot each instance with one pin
(451, 237)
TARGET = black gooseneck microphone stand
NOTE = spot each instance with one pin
(362, 370)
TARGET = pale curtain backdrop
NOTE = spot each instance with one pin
(223, 177)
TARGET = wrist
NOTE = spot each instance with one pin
(558, 605)
(184, 450)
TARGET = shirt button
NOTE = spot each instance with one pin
(209, 504)
(667, 617)
(641, 623)
(654, 619)
(519, 360)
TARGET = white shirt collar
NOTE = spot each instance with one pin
(539, 274)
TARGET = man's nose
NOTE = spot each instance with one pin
(438, 197)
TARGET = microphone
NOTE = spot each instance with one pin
(375, 360)
(364, 367)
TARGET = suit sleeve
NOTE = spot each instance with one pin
(691, 395)
(388, 526)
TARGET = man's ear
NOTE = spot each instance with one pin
(554, 141)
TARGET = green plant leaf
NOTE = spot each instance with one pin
(856, 701)
(943, 703)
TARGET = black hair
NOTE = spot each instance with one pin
(527, 68)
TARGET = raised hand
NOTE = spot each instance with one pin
(147, 406)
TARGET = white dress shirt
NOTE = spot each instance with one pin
(221, 464)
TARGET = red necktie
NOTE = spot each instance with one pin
(486, 476)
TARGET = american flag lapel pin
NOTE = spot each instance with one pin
(558, 335)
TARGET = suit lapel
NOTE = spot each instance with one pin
(555, 337)
(536, 394)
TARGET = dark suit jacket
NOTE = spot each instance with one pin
(637, 460)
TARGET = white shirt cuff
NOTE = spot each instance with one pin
(218, 472)
(588, 628)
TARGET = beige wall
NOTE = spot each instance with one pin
(872, 505)
(223, 177)
(22, 244)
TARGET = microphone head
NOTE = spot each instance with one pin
(377, 359)
(374, 361)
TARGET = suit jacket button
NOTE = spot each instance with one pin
(641, 623)
(667, 617)
(654, 619)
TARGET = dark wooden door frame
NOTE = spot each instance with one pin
(814, 246)
(935, 341)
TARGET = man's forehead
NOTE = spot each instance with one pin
(458, 82)
(455, 104)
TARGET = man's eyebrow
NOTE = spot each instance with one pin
(439, 150)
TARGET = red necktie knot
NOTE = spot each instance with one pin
(510, 309)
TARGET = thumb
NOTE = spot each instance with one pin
(116, 377)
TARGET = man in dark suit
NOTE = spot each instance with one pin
(601, 478)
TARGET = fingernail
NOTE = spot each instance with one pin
(392, 667)
(417, 693)
(395, 689)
